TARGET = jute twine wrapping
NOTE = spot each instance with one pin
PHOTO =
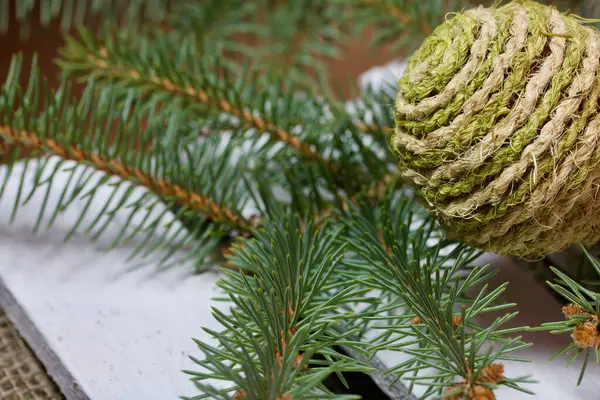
(497, 127)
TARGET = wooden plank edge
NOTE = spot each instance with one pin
(61, 376)
(394, 390)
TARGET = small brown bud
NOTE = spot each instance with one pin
(481, 393)
(228, 251)
(493, 373)
(573, 309)
(477, 392)
(457, 320)
(240, 395)
(585, 335)
(415, 320)
(457, 396)
(298, 360)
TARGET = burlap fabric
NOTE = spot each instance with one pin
(22, 377)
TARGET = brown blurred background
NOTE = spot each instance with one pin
(47, 40)
(358, 58)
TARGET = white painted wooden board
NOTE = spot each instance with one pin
(121, 335)
(126, 335)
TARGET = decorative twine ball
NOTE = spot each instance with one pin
(497, 128)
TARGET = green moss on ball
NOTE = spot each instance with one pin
(497, 128)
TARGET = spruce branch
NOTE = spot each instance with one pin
(582, 317)
(289, 39)
(202, 185)
(190, 200)
(204, 91)
(283, 316)
(72, 13)
(301, 36)
(398, 23)
(217, 26)
(427, 278)
(197, 85)
(101, 66)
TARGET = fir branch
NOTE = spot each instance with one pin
(190, 200)
(399, 23)
(73, 13)
(218, 24)
(428, 277)
(101, 66)
(285, 315)
(200, 91)
(108, 62)
(50, 142)
(582, 317)
(300, 36)
(201, 184)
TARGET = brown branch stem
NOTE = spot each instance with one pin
(191, 200)
(223, 105)
(5, 147)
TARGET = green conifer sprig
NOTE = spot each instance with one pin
(428, 280)
(399, 24)
(307, 187)
(72, 13)
(171, 108)
(301, 35)
(180, 81)
(285, 315)
(383, 277)
(204, 91)
(582, 318)
(216, 24)
(202, 180)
